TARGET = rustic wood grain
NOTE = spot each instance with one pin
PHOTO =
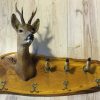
(44, 80)
(62, 33)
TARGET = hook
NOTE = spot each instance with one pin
(2, 85)
(98, 82)
(66, 66)
(65, 83)
(34, 87)
(47, 67)
(87, 67)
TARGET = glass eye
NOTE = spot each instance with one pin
(20, 31)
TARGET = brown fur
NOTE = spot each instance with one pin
(25, 67)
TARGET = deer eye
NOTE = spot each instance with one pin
(20, 30)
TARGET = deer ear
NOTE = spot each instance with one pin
(36, 25)
(15, 22)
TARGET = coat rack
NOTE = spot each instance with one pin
(27, 74)
(55, 76)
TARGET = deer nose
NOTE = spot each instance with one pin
(30, 37)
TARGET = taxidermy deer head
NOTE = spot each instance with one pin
(25, 35)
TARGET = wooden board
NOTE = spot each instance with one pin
(49, 83)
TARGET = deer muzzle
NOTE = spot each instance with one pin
(29, 39)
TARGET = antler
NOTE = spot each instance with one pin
(33, 14)
(20, 14)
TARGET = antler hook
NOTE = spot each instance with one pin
(20, 14)
(33, 14)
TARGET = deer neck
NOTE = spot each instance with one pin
(23, 54)
(24, 66)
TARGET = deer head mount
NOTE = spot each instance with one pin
(25, 35)
(25, 30)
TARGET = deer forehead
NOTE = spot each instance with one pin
(26, 27)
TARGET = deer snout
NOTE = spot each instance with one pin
(30, 37)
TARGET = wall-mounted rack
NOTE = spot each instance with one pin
(82, 76)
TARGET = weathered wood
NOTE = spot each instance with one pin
(50, 82)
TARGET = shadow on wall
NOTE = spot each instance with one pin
(41, 44)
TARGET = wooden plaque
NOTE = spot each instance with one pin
(55, 82)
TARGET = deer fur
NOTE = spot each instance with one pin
(25, 35)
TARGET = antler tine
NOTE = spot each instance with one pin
(33, 14)
(20, 14)
(23, 17)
